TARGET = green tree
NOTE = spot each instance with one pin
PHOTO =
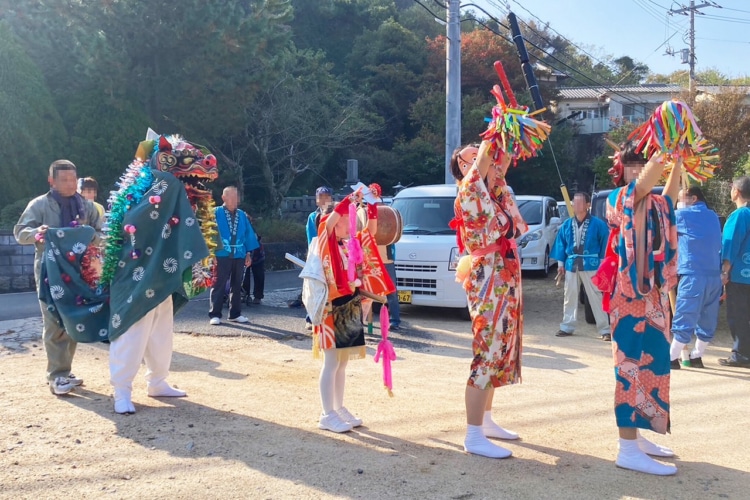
(628, 71)
(387, 65)
(31, 130)
(294, 126)
(186, 64)
(333, 25)
(104, 134)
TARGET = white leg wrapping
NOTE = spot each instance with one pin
(328, 380)
(158, 354)
(125, 355)
(340, 384)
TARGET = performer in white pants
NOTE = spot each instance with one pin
(149, 340)
(580, 245)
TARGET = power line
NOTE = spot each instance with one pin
(548, 26)
(729, 8)
(547, 63)
(428, 10)
(651, 11)
(725, 19)
(592, 82)
(606, 87)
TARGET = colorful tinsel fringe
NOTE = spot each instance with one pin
(202, 277)
(699, 166)
(512, 129)
(674, 130)
(133, 184)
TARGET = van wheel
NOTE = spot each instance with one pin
(463, 313)
(545, 271)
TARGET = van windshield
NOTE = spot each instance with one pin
(531, 211)
(425, 215)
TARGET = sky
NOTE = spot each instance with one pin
(638, 28)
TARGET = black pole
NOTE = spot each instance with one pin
(528, 73)
(528, 70)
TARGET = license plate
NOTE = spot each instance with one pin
(404, 296)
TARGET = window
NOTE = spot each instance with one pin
(531, 211)
(425, 215)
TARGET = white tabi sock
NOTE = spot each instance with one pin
(492, 430)
(477, 444)
(123, 403)
(632, 457)
(653, 449)
(675, 349)
(164, 390)
(700, 348)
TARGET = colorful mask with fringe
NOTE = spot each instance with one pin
(190, 163)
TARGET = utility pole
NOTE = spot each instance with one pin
(691, 60)
(452, 85)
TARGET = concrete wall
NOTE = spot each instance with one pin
(16, 265)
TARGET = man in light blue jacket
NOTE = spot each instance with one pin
(735, 273)
(234, 251)
(699, 268)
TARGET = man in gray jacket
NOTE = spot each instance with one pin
(61, 207)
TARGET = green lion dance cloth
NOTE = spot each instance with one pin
(159, 237)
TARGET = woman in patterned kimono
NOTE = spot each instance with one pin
(645, 247)
(487, 221)
(340, 335)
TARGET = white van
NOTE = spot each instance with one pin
(427, 253)
(542, 215)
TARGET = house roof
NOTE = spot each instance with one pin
(718, 89)
(595, 92)
(569, 93)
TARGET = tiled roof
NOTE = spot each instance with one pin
(717, 89)
(595, 92)
(649, 88)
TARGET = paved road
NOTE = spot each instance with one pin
(279, 285)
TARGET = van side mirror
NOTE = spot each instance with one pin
(555, 221)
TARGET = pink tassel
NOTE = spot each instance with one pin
(386, 350)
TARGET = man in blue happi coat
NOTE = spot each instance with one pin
(699, 268)
(579, 247)
(234, 251)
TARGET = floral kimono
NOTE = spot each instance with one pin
(487, 221)
(341, 327)
(639, 307)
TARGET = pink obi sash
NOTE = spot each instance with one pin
(464, 264)
(502, 245)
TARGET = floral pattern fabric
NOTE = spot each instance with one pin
(374, 279)
(487, 220)
(640, 315)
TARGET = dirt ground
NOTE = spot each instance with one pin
(248, 428)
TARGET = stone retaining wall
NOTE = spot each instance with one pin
(17, 261)
(16, 264)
